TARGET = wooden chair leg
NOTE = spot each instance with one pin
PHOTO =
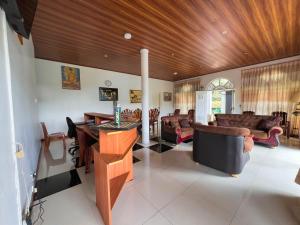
(46, 145)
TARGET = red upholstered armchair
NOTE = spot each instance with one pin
(284, 123)
(176, 129)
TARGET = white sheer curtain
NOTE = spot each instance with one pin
(185, 95)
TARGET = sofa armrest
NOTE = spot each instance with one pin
(275, 131)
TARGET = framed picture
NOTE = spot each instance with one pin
(135, 96)
(70, 78)
(167, 96)
(108, 94)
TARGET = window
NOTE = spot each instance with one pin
(219, 84)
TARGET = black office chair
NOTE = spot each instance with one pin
(72, 134)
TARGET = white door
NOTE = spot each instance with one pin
(203, 107)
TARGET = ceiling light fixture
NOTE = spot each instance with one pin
(175, 73)
(105, 56)
(127, 36)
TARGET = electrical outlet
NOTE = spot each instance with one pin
(35, 190)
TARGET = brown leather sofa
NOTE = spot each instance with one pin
(265, 129)
(222, 148)
(176, 129)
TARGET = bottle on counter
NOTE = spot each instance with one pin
(117, 115)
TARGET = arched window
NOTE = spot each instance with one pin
(219, 84)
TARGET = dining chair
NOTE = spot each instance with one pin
(48, 138)
(153, 119)
(138, 114)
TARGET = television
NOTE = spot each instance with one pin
(108, 94)
(20, 14)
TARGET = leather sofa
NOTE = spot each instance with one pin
(265, 129)
(176, 129)
(222, 148)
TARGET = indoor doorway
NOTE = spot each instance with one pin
(222, 98)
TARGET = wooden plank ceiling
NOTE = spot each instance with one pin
(185, 38)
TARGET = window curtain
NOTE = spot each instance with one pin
(270, 88)
(185, 96)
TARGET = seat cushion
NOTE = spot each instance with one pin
(185, 132)
(259, 134)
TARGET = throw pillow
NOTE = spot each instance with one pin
(175, 124)
(184, 123)
(266, 125)
(223, 122)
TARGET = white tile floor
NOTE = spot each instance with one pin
(169, 188)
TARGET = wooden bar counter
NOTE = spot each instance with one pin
(98, 117)
(113, 164)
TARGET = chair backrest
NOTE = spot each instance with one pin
(191, 114)
(138, 113)
(282, 115)
(250, 113)
(176, 112)
(126, 113)
(45, 132)
(71, 128)
(153, 114)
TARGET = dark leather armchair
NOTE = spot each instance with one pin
(284, 123)
(222, 148)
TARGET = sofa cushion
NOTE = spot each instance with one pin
(259, 134)
(185, 132)
(184, 123)
(266, 124)
(174, 124)
(223, 122)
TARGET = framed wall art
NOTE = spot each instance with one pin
(135, 96)
(70, 78)
(108, 94)
(167, 96)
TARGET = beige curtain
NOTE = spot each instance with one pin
(185, 96)
(270, 88)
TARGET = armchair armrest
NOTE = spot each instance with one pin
(275, 131)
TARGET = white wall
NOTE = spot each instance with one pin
(234, 76)
(56, 103)
(10, 205)
(19, 125)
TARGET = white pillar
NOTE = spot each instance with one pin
(145, 99)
